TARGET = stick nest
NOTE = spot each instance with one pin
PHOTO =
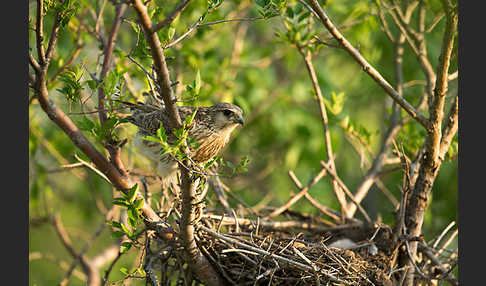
(255, 255)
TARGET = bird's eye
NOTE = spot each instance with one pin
(227, 112)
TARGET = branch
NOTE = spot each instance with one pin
(329, 212)
(108, 52)
(347, 192)
(78, 257)
(118, 180)
(35, 65)
(299, 195)
(171, 17)
(197, 262)
(395, 125)
(159, 63)
(39, 32)
(370, 70)
(53, 38)
(431, 160)
(450, 128)
(327, 136)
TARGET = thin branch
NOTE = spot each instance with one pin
(230, 20)
(53, 38)
(299, 195)
(171, 17)
(331, 213)
(435, 21)
(450, 129)
(108, 52)
(370, 70)
(159, 64)
(395, 125)
(35, 65)
(199, 23)
(89, 166)
(325, 125)
(453, 76)
(347, 192)
(282, 225)
(39, 32)
(66, 241)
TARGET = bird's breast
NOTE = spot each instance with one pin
(209, 148)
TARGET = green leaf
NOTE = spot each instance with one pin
(126, 230)
(124, 247)
(141, 271)
(132, 214)
(121, 203)
(335, 105)
(132, 194)
(197, 82)
(117, 234)
(93, 84)
(139, 203)
(132, 222)
(161, 133)
(170, 33)
(289, 12)
(123, 270)
(115, 224)
(229, 164)
(85, 124)
(151, 138)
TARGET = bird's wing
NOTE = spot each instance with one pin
(149, 122)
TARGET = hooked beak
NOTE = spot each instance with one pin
(240, 120)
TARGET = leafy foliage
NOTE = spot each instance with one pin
(252, 63)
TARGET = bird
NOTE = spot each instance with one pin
(211, 128)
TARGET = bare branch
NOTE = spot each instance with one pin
(299, 195)
(39, 32)
(171, 17)
(53, 38)
(450, 129)
(347, 192)
(325, 125)
(370, 70)
(35, 65)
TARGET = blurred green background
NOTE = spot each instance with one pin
(247, 63)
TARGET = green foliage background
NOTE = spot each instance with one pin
(267, 79)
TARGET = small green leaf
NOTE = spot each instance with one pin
(132, 194)
(197, 82)
(151, 138)
(139, 203)
(117, 234)
(114, 224)
(289, 12)
(124, 247)
(126, 230)
(161, 133)
(229, 164)
(170, 33)
(123, 270)
(141, 271)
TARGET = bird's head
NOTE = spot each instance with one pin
(226, 116)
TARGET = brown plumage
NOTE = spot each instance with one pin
(211, 128)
